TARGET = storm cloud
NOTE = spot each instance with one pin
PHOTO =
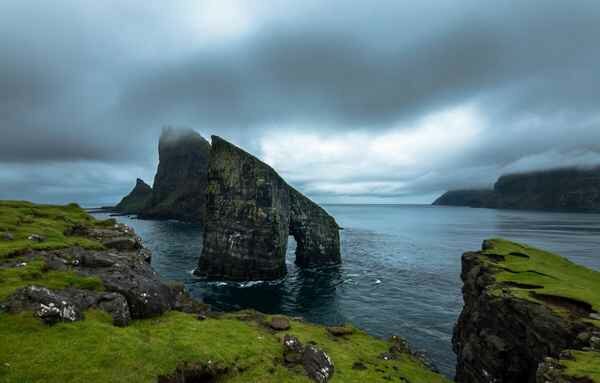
(387, 101)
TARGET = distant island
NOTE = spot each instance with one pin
(555, 189)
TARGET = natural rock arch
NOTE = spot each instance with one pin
(250, 213)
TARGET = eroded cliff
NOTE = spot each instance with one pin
(529, 316)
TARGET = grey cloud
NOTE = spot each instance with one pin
(83, 82)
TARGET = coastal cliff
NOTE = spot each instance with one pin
(529, 316)
(558, 189)
(79, 302)
(179, 190)
(250, 213)
(136, 200)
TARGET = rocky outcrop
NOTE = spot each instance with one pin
(522, 308)
(130, 288)
(316, 232)
(136, 200)
(179, 190)
(250, 213)
(558, 189)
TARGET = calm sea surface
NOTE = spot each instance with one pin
(400, 272)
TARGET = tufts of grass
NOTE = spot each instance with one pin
(94, 350)
(551, 274)
(23, 219)
(585, 365)
(36, 273)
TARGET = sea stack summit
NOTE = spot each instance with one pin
(250, 213)
(179, 190)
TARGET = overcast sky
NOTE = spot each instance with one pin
(351, 101)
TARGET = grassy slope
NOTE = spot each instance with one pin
(24, 218)
(552, 275)
(94, 350)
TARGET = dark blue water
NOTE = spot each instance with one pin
(400, 272)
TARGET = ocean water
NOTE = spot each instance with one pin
(400, 273)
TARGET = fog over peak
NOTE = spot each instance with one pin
(352, 101)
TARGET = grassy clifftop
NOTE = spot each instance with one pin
(541, 308)
(241, 346)
(20, 220)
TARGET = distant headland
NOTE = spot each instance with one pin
(576, 189)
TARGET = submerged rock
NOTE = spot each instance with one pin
(250, 213)
(179, 190)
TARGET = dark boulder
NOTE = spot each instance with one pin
(250, 213)
(279, 323)
(292, 349)
(67, 305)
(317, 364)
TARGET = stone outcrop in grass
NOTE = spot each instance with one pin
(529, 316)
(250, 213)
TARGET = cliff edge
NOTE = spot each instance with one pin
(529, 316)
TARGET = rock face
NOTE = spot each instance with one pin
(250, 213)
(559, 189)
(179, 190)
(522, 307)
(136, 200)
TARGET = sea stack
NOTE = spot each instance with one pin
(179, 190)
(135, 201)
(250, 213)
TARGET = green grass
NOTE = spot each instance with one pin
(585, 365)
(553, 274)
(36, 273)
(22, 219)
(94, 350)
